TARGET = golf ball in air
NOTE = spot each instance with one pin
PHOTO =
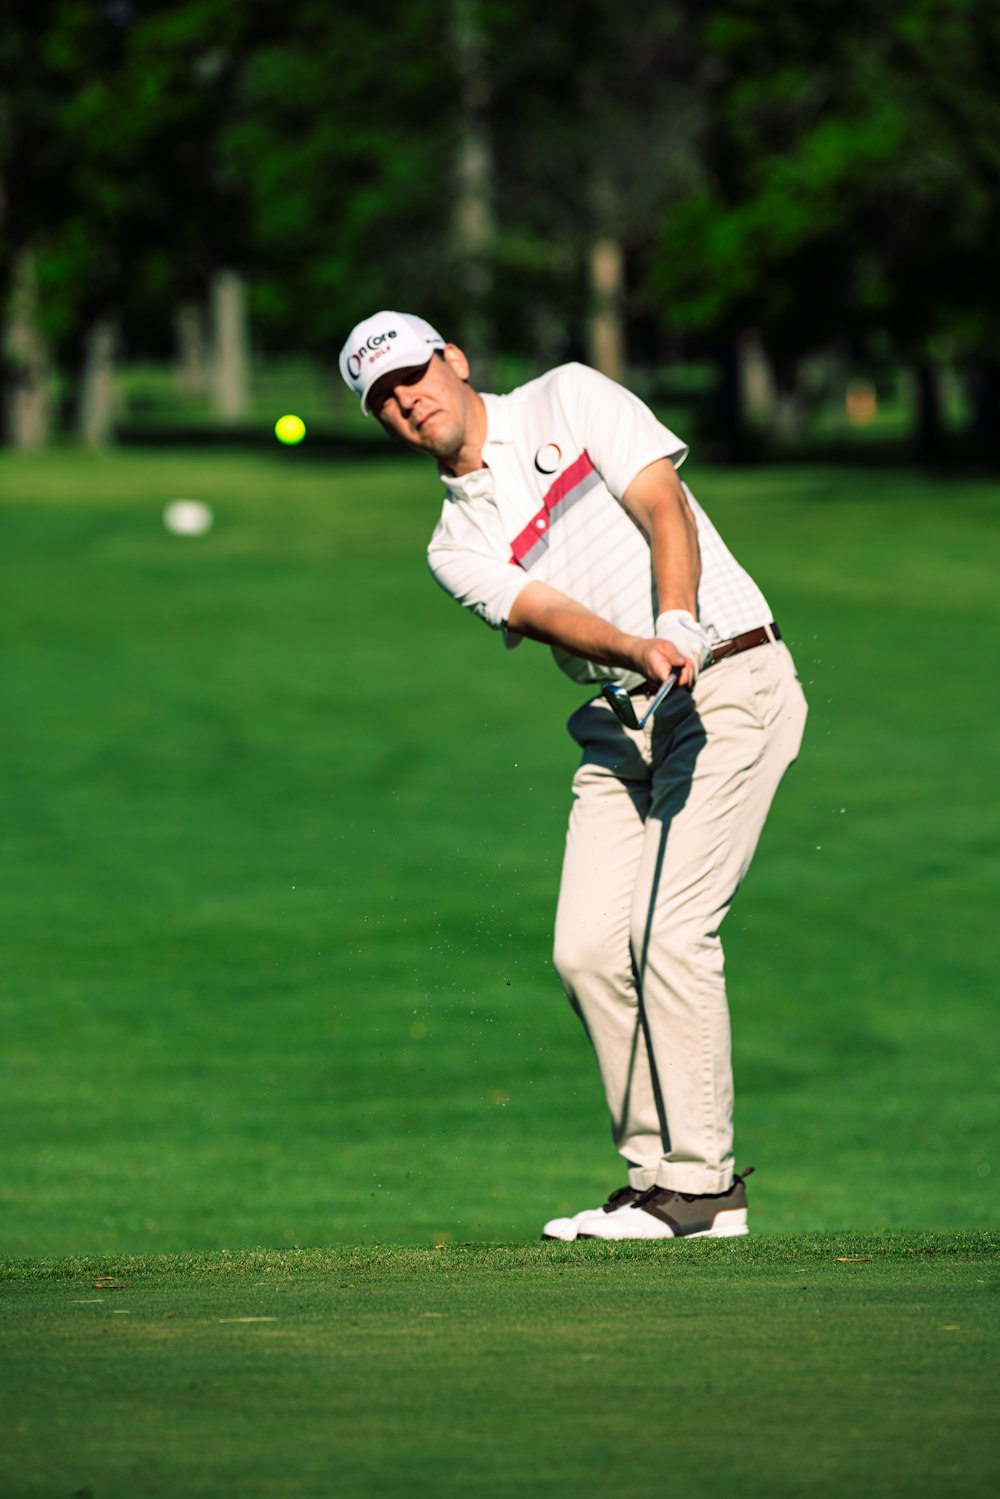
(188, 518)
(289, 429)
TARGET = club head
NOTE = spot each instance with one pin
(624, 708)
(621, 703)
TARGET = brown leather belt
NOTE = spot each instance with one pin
(746, 642)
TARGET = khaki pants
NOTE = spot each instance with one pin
(663, 826)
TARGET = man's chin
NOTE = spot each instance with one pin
(435, 441)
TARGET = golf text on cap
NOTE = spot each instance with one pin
(356, 361)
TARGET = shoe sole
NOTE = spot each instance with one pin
(730, 1225)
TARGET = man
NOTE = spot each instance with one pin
(564, 520)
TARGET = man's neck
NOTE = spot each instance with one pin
(469, 457)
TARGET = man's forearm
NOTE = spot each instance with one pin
(676, 557)
(543, 613)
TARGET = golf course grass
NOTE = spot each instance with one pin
(822, 1365)
(280, 833)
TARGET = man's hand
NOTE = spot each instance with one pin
(685, 634)
(656, 659)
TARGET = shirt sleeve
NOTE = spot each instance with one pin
(620, 433)
(476, 578)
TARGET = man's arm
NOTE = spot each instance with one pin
(543, 613)
(656, 501)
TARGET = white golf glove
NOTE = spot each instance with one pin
(685, 635)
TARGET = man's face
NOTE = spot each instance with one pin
(426, 408)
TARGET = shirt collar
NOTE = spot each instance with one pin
(497, 419)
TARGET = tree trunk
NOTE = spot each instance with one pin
(98, 406)
(606, 278)
(789, 412)
(548, 335)
(756, 378)
(191, 350)
(984, 401)
(731, 443)
(26, 366)
(928, 425)
(231, 351)
(473, 216)
(606, 323)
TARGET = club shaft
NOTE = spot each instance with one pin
(668, 685)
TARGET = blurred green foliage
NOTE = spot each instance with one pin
(825, 174)
(857, 159)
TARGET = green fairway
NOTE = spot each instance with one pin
(281, 832)
(828, 1366)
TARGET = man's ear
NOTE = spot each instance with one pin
(456, 360)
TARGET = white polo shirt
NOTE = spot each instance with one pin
(559, 454)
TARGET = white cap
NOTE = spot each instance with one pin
(387, 341)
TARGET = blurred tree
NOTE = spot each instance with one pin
(850, 190)
(344, 134)
(82, 262)
(598, 113)
(182, 77)
(190, 343)
(771, 183)
(949, 55)
(117, 188)
(500, 164)
(26, 363)
(71, 157)
(230, 368)
(33, 171)
(474, 191)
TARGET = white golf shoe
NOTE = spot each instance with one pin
(568, 1228)
(662, 1214)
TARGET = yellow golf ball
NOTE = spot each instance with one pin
(289, 429)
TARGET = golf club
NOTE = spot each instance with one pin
(621, 702)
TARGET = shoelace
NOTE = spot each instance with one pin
(659, 1194)
(616, 1197)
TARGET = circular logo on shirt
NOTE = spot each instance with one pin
(548, 458)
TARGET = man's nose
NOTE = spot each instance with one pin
(405, 397)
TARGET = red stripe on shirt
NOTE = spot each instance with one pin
(539, 523)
